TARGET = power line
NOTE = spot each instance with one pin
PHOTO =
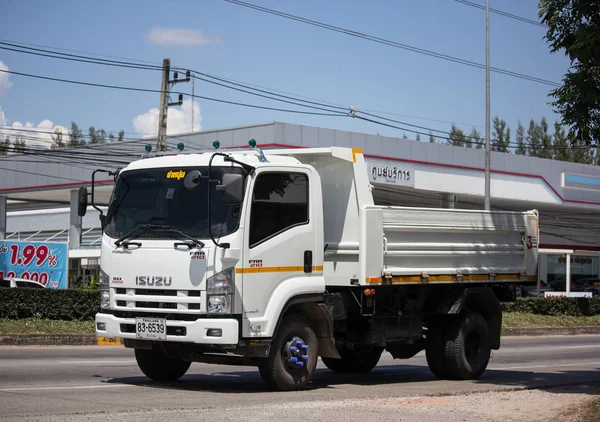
(392, 43)
(125, 88)
(502, 13)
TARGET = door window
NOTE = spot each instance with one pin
(279, 202)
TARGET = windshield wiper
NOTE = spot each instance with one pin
(145, 227)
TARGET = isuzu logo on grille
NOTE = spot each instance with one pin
(154, 280)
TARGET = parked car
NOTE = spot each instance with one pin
(11, 282)
(532, 290)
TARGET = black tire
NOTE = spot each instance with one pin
(158, 366)
(357, 361)
(467, 347)
(435, 348)
(277, 371)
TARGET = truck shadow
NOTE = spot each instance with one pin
(420, 379)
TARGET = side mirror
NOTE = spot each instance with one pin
(232, 189)
(82, 202)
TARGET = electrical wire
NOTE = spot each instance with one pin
(392, 43)
(502, 13)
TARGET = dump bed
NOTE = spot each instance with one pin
(424, 245)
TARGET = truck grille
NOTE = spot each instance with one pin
(146, 300)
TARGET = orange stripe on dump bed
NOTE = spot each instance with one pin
(294, 269)
(354, 152)
(449, 278)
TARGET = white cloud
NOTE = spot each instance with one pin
(4, 82)
(35, 136)
(179, 120)
(180, 36)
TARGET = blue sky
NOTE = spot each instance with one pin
(275, 53)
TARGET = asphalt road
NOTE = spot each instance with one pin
(71, 383)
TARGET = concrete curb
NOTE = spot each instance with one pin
(89, 340)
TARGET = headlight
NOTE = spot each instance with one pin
(220, 289)
(222, 282)
(104, 291)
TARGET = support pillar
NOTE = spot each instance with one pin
(74, 222)
(568, 274)
(448, 200)
(2, 217)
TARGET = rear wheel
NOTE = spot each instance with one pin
(293, 358)
(359, 360)
(159, 366)
(435, 349)
(467, 347)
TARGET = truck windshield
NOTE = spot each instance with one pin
(172, 197)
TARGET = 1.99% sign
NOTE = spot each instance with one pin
(35, 256)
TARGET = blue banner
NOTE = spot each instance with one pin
(46, 263)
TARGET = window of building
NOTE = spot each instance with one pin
(279, 202)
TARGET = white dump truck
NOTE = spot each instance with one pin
(277, 258)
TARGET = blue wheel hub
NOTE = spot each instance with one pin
(295, 353)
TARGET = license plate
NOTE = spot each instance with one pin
(151, 328)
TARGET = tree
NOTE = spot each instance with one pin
(476, 140)
(75, 136)
(418, 137)
(101, 136)
(457, 137)
(57, 140)
(534, 142)
(521, 147)
(121, 135)
(431, 138)
(501, 136)
(574, 25)
(19, 145)
(404, 136)
(93, 136)
(111, 138)
(4, 146)
(546, 140)
(560, 144)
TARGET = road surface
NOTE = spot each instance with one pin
(97, 383)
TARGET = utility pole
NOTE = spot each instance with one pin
(165, 88)
(192, 104)
(487, 106)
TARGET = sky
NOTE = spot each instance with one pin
(230, 41)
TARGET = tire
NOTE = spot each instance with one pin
(357, 361)
(435, 349)
(158, 366)
(278, 371)
(467, 347)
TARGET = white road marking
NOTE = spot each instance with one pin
(95, 362)
(549, 366)
(73, 387)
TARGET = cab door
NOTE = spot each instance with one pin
(279, 247)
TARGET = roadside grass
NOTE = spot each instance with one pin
(523, 320)
(509, 320)
(45, 326)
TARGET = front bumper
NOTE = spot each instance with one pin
(195, 331)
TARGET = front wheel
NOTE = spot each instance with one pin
(159, 366)
(292, 360)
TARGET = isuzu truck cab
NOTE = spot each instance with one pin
(277, 258)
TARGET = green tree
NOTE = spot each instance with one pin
(534, 141)
(101, 134)
(574, 25)
(4, 146)
(111, 138)
(418, 137)
(121, 136)
(521, 147)
(501, 135)
(457, 137)
(580, 152)
(57, 140)
(546, 140)
(404, 136)
(431, 138)
(75, 136)
(93, 137)
(476, 140)
(560, 143)
(19, 145)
